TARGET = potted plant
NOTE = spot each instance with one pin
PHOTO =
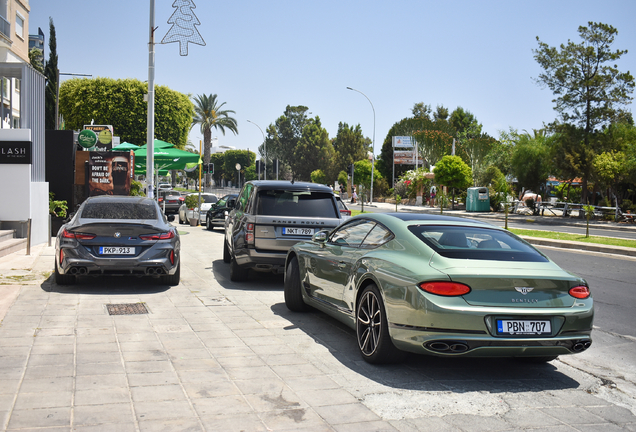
(192, 203)
(58, 210)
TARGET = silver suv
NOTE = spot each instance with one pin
(269, 217)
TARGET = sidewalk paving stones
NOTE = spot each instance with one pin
(211, 355)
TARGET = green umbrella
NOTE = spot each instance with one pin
(125, 146)
(168, 158)
(159, 144)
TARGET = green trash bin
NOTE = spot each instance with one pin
(478, 200)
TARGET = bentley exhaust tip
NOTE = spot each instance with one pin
(581, 346)
(448, 347)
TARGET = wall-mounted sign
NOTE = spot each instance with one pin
(104, 136)
(87, 138)
(16, 152)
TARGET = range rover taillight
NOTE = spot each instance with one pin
(249, 234)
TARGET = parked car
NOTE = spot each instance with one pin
(215, 216)
(169, 201)
(185, 213)
(442, 286)
(270, 216)
(345, 213)
(118, 235)
(164, 186)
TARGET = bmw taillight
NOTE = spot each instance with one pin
(448, 289)
(158, 236)
(77, 236)
(249, 234)
(61, 255)
(580, 292)
(171, 257)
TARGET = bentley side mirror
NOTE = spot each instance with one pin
(320, 237)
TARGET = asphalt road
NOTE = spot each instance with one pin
(611, 280)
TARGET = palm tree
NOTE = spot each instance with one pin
(208, 114)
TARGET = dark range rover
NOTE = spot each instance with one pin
(271, 216)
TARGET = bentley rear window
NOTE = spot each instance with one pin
(476, 243)
(119, 210)
(296, 203)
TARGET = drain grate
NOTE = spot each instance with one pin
(127, 309)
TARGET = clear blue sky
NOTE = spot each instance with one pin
(261, 56)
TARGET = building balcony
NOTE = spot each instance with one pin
(5, 28)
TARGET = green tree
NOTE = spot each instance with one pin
(350, 146)
(589, 92)
(284, 135)
(51, 74)
(121, 103)
(420, 110)
(36, 58)
(245, 158)
(318, 176)
(453, 172)
(313, 151)
(530, 161)
(208, 114)
(610, 168)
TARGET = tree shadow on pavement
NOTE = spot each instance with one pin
(427, 373)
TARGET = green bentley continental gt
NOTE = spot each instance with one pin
(438, 285)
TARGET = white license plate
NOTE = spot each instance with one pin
(298, 231)
(523, 327)
(116, 250)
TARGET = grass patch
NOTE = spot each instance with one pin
(575, 237)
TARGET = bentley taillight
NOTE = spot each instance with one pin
(445, 288)
(580, 292)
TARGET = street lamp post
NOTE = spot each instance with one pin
(372, 142)
(264, 150)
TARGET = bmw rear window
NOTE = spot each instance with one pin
(296, 203)
(476, 243)
(119, 210)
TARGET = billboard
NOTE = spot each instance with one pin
(402, 142)
(404, 157)
(104, 137)
(109, 173)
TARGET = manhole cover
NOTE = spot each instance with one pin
(126, 309)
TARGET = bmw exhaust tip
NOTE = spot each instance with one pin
(82, 270)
